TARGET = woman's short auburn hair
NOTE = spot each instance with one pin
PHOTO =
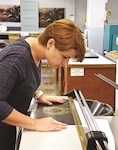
(67, 35)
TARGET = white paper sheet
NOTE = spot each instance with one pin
(66, 139)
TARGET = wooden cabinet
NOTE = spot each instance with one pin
(85, 80)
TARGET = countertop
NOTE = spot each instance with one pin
(101, 60)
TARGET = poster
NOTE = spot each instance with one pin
(48, 15)
(10, 13)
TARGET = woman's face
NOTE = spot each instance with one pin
(58, 58)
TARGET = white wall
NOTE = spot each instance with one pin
(113, 5)
(80, 12)
(80, 8)
(13, 2)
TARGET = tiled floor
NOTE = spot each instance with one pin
(48, 81)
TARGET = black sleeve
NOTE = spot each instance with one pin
(9, 76)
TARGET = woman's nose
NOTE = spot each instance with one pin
(65, 62)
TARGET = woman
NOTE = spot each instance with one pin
(20, 75)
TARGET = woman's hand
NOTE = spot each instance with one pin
(43, 124)
(50, 100)
(49, 124)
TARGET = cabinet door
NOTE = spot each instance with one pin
(91, 86)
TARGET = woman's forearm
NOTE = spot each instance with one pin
(16, 118)
(44, 124)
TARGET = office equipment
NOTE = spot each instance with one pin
(96, 139)
(82, 133)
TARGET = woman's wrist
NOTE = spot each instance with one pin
(38, 94)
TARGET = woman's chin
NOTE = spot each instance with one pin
(55, 67)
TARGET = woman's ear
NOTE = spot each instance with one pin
(50, 43)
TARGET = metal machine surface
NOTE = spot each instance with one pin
(75, 111)
(95, 139)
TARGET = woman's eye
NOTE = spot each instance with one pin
(65, 57)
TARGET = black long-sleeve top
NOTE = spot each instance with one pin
(19, 77)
